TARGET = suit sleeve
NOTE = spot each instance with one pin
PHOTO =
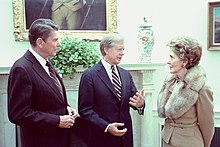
(206, 115)
(20, 110)
(133, 92)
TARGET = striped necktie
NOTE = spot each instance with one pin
(54, 77)
(116, 82)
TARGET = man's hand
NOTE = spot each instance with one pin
(113, 129)
(72, 112)
(137, 100)
(66, 121)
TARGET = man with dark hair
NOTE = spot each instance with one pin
(37, 100)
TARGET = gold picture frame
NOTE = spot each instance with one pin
(21, 29)
(214, 26)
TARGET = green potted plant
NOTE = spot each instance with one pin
(74, 52)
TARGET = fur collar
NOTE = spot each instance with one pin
(177, 97)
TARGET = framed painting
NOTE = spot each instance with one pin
(214, 26)
(85, 19)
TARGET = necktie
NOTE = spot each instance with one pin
(116, 82)
(54, 77)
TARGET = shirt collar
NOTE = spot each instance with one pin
(106, 64)
(40, 59)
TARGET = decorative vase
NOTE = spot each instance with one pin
(145, 42)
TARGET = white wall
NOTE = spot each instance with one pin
(169, 18)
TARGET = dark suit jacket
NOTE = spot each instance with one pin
(99, 105)
(34, 103)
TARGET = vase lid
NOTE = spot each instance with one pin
(145, 23)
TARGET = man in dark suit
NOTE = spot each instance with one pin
(37, 101)
(104, 108)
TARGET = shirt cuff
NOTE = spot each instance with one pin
(140, 109)
(106, 129)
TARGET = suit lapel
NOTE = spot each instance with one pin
(42, 73)
(104, 77)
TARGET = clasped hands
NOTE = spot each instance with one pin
(67, 121)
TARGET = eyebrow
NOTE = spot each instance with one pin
(56, 39)
(171, 56)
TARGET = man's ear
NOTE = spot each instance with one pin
(106, 50)
(39, 42)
